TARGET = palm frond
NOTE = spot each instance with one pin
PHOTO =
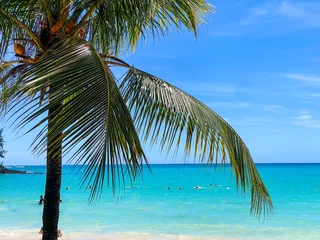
(170, 117)
(112, 27)
(8, 72)
(91, 118)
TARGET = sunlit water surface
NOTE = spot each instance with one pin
(149, 207)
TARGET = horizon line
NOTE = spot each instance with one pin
(174, 164)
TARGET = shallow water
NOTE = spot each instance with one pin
(151, 209)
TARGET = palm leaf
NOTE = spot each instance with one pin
(8, 72)
(109, 25)
(166, 115)
(92, 116)
(113, 28)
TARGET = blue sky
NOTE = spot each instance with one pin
(256, 64)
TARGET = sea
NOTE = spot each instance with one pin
(164, 204)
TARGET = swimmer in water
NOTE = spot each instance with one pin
(41, 201)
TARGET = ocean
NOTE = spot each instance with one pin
(155, 207)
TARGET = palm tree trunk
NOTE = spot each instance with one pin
(50, 215)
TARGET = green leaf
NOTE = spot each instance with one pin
(166, 115)
(113, 28)
(92, 119)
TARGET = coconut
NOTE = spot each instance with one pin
(55, 28)
(81, 33)
(19, 49)
(69, 27)
(36, 58)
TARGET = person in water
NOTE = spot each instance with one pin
(41, 201)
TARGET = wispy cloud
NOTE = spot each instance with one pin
(314, 95)
(208, 88)
(273, 17)
(311, 80)
(305, 119)
(237, 4)
(269, 107)
(219, 88)
(274, 108)
(265, 120)
(275, 11)
(231, 104)
(289, 10)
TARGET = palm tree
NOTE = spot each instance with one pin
(60, 83)
(2, 151)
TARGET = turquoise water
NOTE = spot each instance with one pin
(151, 208)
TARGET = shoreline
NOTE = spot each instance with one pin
(32, 234)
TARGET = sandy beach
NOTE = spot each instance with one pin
(33, 235)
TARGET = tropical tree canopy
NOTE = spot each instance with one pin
(62, 71)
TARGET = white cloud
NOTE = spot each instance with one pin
(311, 80)
(308, 124)
(218, 88)
(274, 108)
(289, 10)
(306, 120)
(275, 17)
(232, 104)
(314, 94)
(303, 117)
(266, 120)
(270, 107)
(235, 4)
(280, 11)
(203, 88)
(259, 12)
